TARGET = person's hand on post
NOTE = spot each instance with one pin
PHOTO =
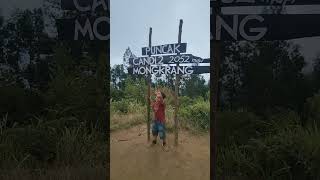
(148, 98)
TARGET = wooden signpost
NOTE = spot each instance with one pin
(176, 90)
(155, 63)
(149, 87)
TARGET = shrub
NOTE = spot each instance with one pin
(135, 90)
(121, 106)
(237, 127)
(285, 150)
(135, 107)
(313, 110)
(63, 141)
(77, 146)
(197, 115)
(185, 101)
(290, 154)
(281, 119)
(20, 104)
(28, 145)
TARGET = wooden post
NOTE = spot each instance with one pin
(149, 89)
(176, 124)
(214, 71)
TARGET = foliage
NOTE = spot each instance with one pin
(44, 142)
(263, 75)
(71, 91)
(313, 110)
(120, 106)
(237, 127)
(316, 72)
(194, 85)
(56, 116)
(185, 101)
(281, 148)
(135, 89)
(197, 115)
(19, 104)
(290, 153)
(118, 76)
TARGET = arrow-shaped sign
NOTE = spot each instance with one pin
(168, 59)
(228, 3)
(159, 70)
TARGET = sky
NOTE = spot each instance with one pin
(131, 19)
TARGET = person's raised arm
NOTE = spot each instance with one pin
(161, 101)
(150, 100)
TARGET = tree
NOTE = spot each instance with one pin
(316, 72)
(263, 75)
(170, 81)
(194, 86)
(1, 39)
(126, 56)
(235, 60)
(118, 77)
(135, 89)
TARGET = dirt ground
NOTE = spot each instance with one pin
(133, 159)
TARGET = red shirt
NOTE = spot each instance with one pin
(159, 110)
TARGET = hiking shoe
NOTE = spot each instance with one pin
(165, 147)
(154, 142)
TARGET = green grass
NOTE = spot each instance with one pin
(127, 125)
(193, 118)
(57, 173)
(41, 151)
(124, 120)
(282, 149)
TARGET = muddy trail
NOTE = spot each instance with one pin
(133, 158)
